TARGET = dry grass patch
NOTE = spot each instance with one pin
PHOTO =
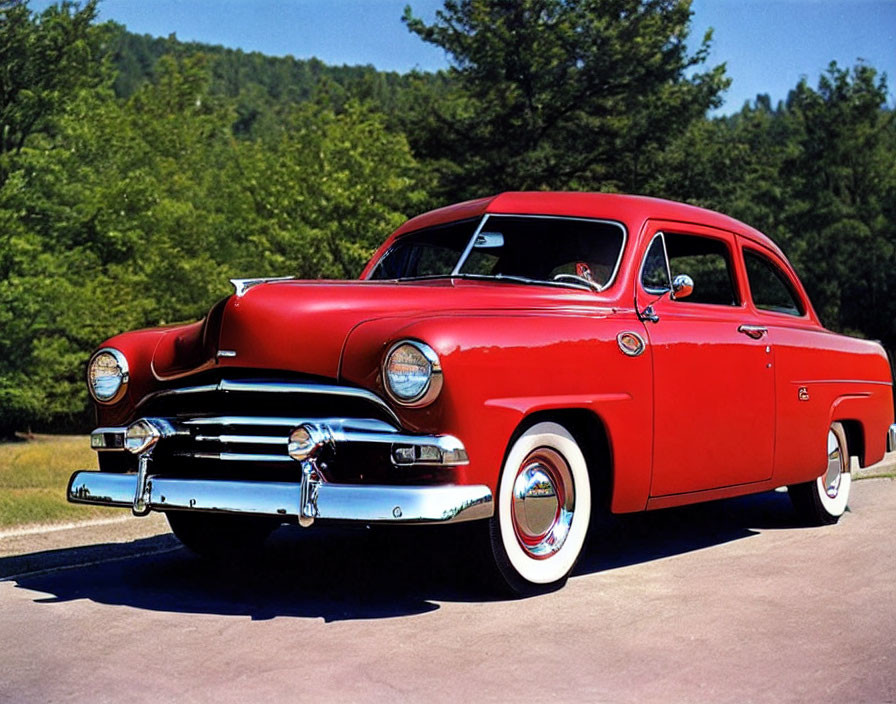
(34, 475)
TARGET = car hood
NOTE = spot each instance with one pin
(302, 326)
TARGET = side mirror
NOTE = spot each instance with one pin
(682, 287)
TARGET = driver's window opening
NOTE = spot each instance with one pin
(706, 260)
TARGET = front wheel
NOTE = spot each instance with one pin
(542, 510)
(823, 500)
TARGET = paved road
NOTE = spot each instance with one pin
(727, 602)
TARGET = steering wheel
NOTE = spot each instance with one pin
(574, 278)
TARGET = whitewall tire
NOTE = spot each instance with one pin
(543, 508)
(823, 500)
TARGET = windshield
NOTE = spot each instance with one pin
(536, 249)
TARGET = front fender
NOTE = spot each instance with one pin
(498, 370)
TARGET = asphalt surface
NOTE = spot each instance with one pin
(723, 602)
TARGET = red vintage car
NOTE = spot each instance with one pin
(524, 361)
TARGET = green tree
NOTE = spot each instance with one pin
(45, 60)
(817, 174)
(842, 183)
(558, 93)
(135, 213)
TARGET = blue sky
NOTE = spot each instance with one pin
(768, 45)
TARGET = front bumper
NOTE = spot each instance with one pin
(302, 492)
(305, 501)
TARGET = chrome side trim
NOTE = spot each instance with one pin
(306, 500)
(891, 438)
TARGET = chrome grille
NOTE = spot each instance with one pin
(254, 438)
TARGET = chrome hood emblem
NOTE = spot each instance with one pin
(242, 285)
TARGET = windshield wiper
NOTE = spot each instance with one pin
(506, 278)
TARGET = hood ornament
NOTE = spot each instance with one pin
(242, 285)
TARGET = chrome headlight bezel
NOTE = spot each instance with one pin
(429, 390)
(123, 376)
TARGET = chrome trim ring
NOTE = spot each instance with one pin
(834, 472)
(433, 387)
(543, 503)
(122, 362)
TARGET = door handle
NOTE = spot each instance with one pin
(754, 331)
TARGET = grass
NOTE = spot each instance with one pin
(34, 475)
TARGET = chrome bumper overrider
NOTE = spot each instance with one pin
(306, 500)
(891, 438)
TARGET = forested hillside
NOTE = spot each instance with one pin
(138, 174)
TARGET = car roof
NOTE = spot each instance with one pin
(629, 209)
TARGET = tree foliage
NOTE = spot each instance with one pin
(135, 212)
(137, 174)
(45, 61)
(817, 174)
(559, 93)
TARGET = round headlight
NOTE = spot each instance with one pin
(412, 373)
(107, 375)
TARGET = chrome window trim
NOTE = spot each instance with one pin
(122, 362)
(433, 387)
(655, 291)
(469, 248)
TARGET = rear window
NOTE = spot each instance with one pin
(770, 288)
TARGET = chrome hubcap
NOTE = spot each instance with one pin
(543, 503)
(835, 466)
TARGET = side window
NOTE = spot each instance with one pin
(708, 262)
(655, 271)
(770, 288)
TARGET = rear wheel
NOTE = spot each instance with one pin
(220, 536)
(823, 500)
(542, 510)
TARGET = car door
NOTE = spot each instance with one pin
(714, 405)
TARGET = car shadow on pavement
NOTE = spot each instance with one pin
(340, 574)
